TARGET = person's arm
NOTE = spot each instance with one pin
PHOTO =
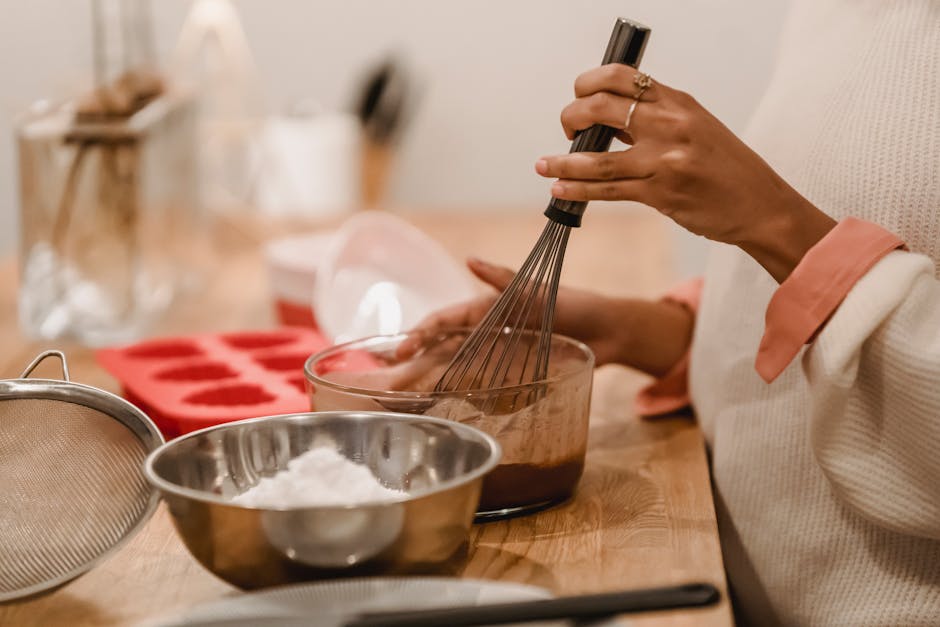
(871, 316)
(873, 368)
(650, 336)
(670, 392)
(804, 302)
(874, 374)
(687, 165)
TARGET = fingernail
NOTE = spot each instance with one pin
(541, 166)
(558, 188)
(476, 261)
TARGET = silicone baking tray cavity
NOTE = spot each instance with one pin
(189, 383)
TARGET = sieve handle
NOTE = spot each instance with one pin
(626, 46)
(39, 359)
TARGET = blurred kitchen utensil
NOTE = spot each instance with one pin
(72, 490)
(438, 464)
(431, 602)
(329, 603)
(386, 99)
(492, 358)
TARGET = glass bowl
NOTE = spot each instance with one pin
(542, 427)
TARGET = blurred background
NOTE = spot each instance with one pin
(486, 80)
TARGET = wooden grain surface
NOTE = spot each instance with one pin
(643, 514)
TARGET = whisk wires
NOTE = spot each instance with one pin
(512, 343)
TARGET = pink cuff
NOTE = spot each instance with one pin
(670, 393)
(808, 297)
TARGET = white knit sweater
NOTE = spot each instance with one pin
(827, 481)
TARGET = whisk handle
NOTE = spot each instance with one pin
(626, 45)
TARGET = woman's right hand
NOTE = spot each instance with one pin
(687, 165)
(647, 335)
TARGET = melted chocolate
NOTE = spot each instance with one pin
(518, 485)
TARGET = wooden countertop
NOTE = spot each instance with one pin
(643, 515)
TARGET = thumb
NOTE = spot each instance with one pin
(497, 276)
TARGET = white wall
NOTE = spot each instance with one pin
(496, 73)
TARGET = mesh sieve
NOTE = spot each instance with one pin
(72, 488)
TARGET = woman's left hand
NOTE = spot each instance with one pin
(687, 165)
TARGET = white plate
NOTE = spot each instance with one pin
(327, 604)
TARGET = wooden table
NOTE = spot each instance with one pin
(643, 515)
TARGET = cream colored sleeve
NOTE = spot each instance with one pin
(874, 375)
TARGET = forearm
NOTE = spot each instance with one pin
(778, 243)
(651, 336)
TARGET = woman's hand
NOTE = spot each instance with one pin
(649, 336)
(687, 165)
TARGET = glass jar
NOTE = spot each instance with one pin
(542, 427)
(107, 219)
(107, 193)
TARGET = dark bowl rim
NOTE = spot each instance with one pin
(168, 487)
(399, 394)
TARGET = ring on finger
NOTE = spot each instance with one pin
(642, 81)
(626, 124)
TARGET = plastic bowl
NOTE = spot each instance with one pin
(544, 438)
(381, 275)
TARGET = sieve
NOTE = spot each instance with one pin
(72, 490)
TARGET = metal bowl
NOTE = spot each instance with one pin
(439, 464)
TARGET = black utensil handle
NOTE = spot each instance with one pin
(575, 607)
(626, 46)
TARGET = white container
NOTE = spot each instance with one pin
(292, 273)
(310, 165)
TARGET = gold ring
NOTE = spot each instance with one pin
(643, 82)
(626, 125)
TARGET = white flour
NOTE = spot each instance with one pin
(318, 477)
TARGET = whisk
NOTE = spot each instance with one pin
(512, 343)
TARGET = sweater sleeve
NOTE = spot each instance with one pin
(874, 377)
(803, 303)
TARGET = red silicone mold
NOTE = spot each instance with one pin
(189, 383)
